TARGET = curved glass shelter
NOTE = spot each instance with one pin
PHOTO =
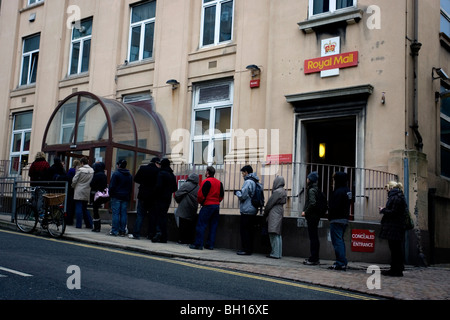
(106, 130)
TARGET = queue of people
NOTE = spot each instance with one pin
(157, 185)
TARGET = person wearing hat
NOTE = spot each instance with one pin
(310, 212)
(120, 188)
(146, 177)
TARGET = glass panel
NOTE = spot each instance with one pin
(445, 162)
(226, 21)
(31, 44)
(23, 121)
(60, 130)
(215, 93)
(25, 67)
(209, 25)
(445, 131)
(201, 152)
(135, 43)
(34, 63)
(15, 165)
(223, 120)
(86, 53)
(220, 151)
(148, 41)
(122, 124)
(149, 136)
(75, 58)
(26, 143)
(321, 6)
(92, 121)
(201, 122)
(445, 106)
(143, 12)
(445, 4)
(84, 31)
(343, 4)
(17, 142)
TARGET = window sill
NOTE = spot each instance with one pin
(351, 16)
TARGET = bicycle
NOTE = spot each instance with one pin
(50, 215)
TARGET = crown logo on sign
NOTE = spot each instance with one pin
(329, 47)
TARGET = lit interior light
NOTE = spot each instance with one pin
(322, 149)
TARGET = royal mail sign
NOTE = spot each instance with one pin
(337, 61)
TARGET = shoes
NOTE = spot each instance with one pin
(243, 253)
(392, 273)
(112, 234)
(209, 247)
(269, 256)
(336, 267)
(132, 236)
(193, 246)
(307, 262)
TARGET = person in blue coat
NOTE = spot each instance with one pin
(120, 188)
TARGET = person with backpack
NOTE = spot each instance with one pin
(312, 215)
(247, 209)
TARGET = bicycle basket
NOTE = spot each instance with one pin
(53, 199)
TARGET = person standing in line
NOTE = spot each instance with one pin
(166, 185)
(82, 190)
(70, 193)
(210, 194)
(120, 188)
(247, 210)
(186, 197)
(274, 211)
(311, 213)
(393, 227)
(338, 214)
(39, 170)
(146, 177)
(99, 183)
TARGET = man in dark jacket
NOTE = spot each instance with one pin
(166, 185)
(120, 189)
(338, 213)
(146, 177)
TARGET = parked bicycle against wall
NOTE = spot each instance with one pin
(45, 208)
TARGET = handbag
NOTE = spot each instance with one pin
(102, 194)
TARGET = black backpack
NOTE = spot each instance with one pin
(258, 196)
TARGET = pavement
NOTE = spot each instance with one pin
(418, 283)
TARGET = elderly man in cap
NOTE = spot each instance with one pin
(146, 177)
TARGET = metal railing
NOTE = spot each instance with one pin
(367, 185)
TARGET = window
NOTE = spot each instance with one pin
(30, 57)
(211, 129)
(445, 137)
(20, 141)
(81, 47)
(328, 6)
(142, 29)
(445, 17)
(30, 2)
(217, 24)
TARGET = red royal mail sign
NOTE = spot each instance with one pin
(363, 240)
(337, 61)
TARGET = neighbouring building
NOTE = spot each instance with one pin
(291, 86)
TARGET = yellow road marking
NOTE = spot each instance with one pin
(192, 265)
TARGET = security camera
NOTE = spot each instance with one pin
(441, 73)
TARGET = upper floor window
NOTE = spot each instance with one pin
(217, 22)
(328, 6)
(30, 2)
(20, 141)
(81, 47)
(445, 135)
(142, 30)
(445, 17)
(30, 57)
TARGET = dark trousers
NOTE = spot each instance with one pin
(161, 223)
(208, 216)
(187, 230)
(313, 233)
(152, 208)
(247, 229)
(396, 247)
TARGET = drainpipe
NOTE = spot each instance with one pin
(415, 47)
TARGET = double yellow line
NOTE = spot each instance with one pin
(196, 266)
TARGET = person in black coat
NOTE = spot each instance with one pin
(166, 185)
(99, 182)
(393, 227)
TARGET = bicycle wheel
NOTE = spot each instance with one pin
(26, 218)
(56, 224)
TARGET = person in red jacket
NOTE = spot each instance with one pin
(209, 196)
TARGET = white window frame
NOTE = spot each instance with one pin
(31, 2)
(218, 4)
(82, 41)
(332, 8)
(210, 135)
(142, 24)
(21, 152)
(29, 54)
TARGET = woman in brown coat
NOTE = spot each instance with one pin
(273, 211)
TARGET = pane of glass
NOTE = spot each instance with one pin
(445, 131)
(223, 120)
(445, 4)
(209, 25)
(34, 64)
(445, 162)
(143, 12)
(321, 6)
(343, 4)
(220, 151)
(135, 43)
(26, 143)
(86, 53)
(226, 21)
(92, 121)
(75, 58)
(15, 165)
(445, 25)
(31, 44)
(445, 106)
(25, 67)
(61, 127)
(149, 136)
(23, 121)
(17, 142)
(84, 30)
(206, 1)
(201, 152)
(216, 93)
(148, 41)
(122, 124)
(201, 122)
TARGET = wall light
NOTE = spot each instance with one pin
(174, 83)
(322, 150)
(254, 69)
(441, 74)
